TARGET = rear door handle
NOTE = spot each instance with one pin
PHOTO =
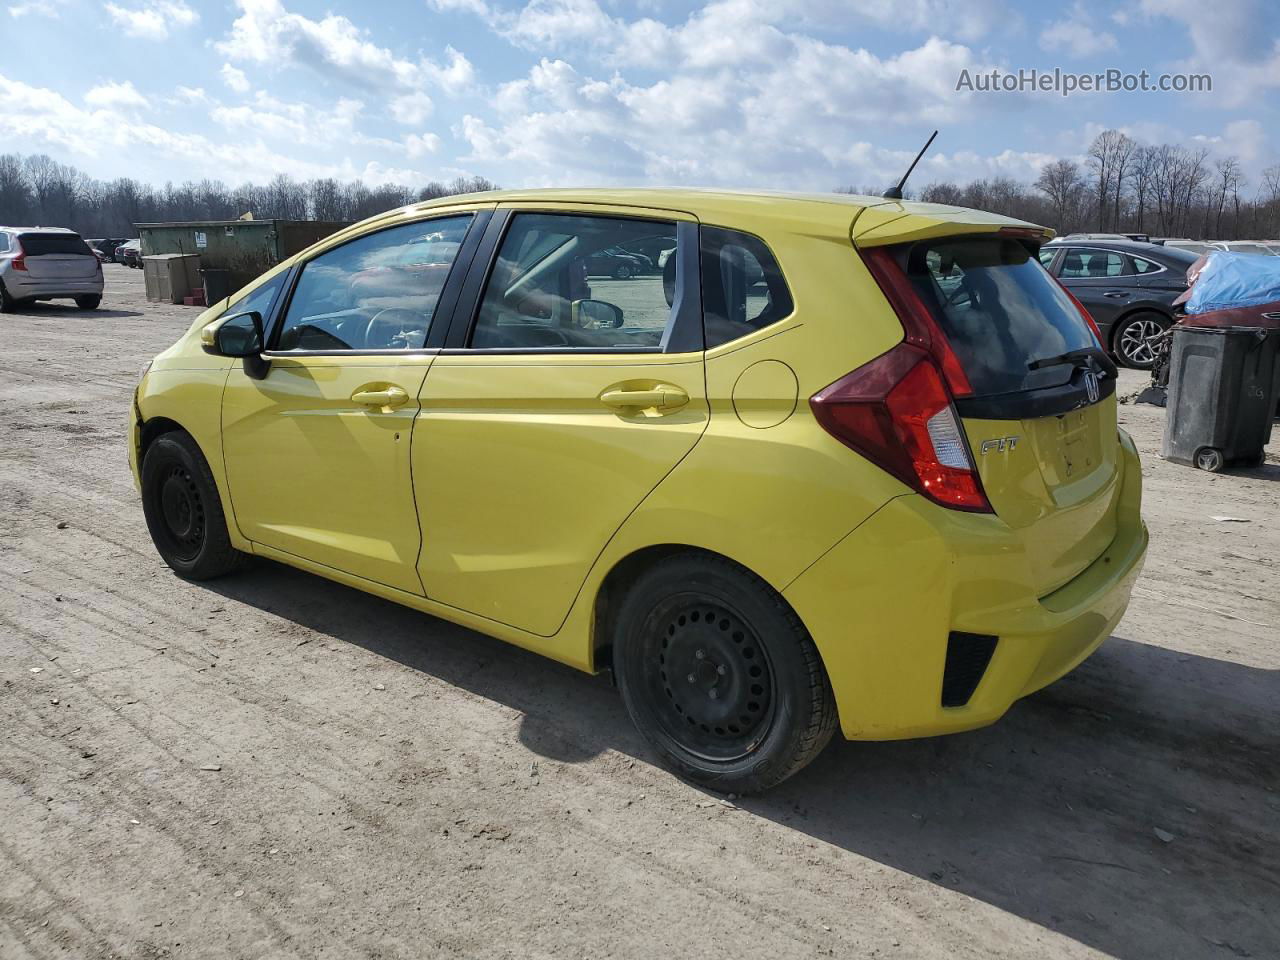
(1117, 295)
(664, 397)
(383, 397)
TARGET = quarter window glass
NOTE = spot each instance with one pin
(742, 286)
(1083, 264)
(377, 292)
(259, 300)
(1046, 255)
(578, 283)
(1144, 266)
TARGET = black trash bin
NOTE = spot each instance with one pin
(217, 284)
(1223, 383)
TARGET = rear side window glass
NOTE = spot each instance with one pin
(1083, 264)
(564, 282)
(743, 289)
(1000, 311)
(48, 244)
(1145, 266)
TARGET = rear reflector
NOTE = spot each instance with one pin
(897, 413)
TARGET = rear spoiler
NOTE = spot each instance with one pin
(907, 222)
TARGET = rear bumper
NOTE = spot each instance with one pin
(882, 603)
(24, 288)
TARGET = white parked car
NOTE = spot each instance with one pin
(47, 263)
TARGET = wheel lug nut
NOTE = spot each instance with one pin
(713, 694)
(700, 654)
(692, 678)
(721, 670)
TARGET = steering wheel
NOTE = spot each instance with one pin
(399, 319)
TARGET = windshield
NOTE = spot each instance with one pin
(1000, 310)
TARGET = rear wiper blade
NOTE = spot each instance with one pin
(1073, 357)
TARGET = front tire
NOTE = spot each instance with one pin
(622, 271)
(183, 511)
(719, 674)
(1135, 337)
(89, 302)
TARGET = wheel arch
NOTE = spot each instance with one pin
(1149, 307)
(613, 587)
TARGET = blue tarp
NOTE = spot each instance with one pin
(1235, 280)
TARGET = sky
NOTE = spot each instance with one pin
(785, 94)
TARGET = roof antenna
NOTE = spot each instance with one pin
(895, 193)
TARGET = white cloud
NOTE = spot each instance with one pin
(38, 8)
(154, 19)
(115, 95)
(235, 78)
(292, 121)
(421, 145)
(411, 109)
(1077, 35)
(266, 32)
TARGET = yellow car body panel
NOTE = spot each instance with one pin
(503, 493)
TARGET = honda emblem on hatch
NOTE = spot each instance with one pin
(1092, 388)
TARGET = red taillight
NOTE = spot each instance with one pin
(19, 262)
(921, 329)
(896, 412)
(1088, 318)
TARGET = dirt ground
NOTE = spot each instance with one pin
(274, 766)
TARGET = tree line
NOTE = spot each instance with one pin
(38, 190)
(1124, 186)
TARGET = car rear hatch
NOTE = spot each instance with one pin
(1033, 389)
(57, 256)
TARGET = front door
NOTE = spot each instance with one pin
(566, 401)
(317, 451)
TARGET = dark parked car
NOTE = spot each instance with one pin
(107, 246)
(1128, 287)
(129, 253)
(617, 263)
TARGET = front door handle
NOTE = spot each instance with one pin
(383, 397)
(1116, 295)
(663, 397)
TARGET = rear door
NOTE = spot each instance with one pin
(561, 400)
(1103, 280)
(1040, 415)
(58, 256)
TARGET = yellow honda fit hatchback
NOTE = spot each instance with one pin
(779, 462)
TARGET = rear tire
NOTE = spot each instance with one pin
(7, 303)
(183, 511)
(1134, 339)
(89, 302)
(622, 271)
(719, 674)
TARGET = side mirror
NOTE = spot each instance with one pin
(241, 336)
(594, 314)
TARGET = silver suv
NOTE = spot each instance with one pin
(44, 263)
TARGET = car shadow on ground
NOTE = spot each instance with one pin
(1132, 806)
(70, 309)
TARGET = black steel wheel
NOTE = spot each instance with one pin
(719, 674)
(183, 512)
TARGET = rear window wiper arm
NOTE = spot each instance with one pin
(1072, 357)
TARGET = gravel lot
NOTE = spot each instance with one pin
(275, 766)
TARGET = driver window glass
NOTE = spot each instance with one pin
(377, 292)
(579, 283)
(260, 299)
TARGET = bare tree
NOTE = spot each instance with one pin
(1062, 183)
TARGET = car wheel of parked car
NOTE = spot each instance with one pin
(7, 303)
(622, 271)
(184, 514)
(1134, 338)
(720, 675)
(88, 303)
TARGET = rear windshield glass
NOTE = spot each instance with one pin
(43, 244)
(1000, 311)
